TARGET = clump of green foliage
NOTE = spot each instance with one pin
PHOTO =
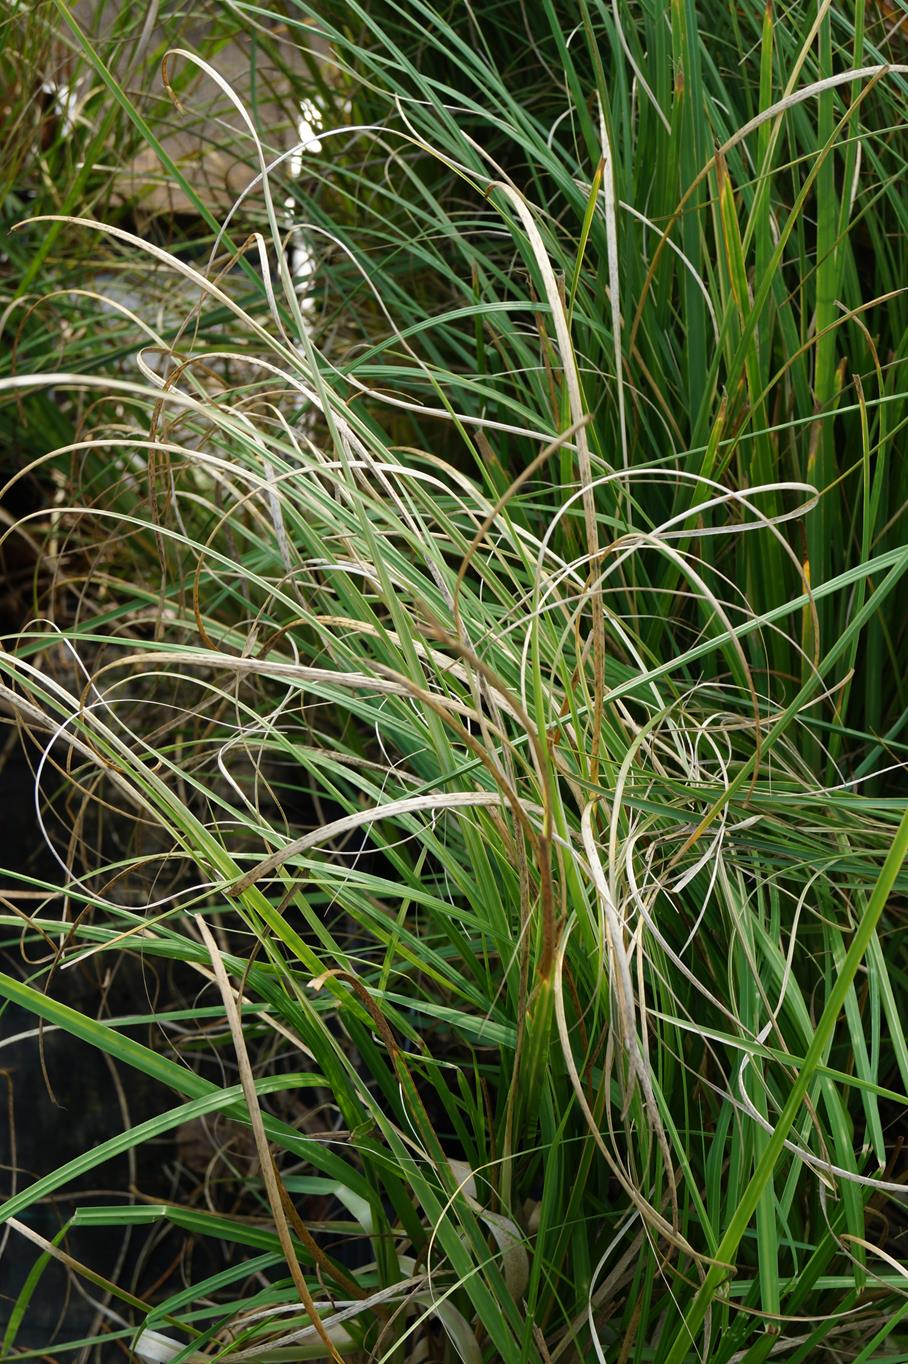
(470, 639)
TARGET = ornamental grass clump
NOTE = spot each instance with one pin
(466, 656)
